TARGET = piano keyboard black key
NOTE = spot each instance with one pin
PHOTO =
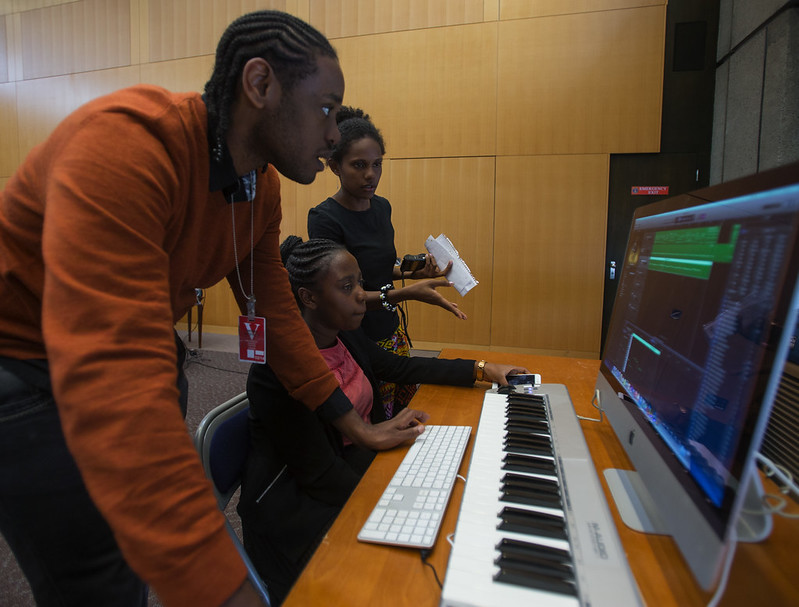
(527, 490)
(532, 444)
(533, 482)
(532, 523)
(517, 425)
(529, 408)
(517, 413)
(510, 574)
(529, 437)
(534, 399)
(528, 463)
(520, 557)
(526, 447)
(549, 553)
(535, 566)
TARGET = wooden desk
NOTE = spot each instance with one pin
(344, 571)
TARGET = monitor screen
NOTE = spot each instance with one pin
(698, 324)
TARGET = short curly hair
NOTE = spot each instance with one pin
(354, 125)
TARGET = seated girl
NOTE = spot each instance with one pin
(301, 470)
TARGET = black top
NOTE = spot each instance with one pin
(369, 236)
(304, 459)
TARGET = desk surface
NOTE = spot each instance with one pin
(344, 571)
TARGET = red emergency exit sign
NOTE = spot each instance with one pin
(649, 190)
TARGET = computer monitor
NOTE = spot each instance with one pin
(704, 314)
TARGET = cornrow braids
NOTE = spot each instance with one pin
(354, 125)
(306, 262)
(290, 45)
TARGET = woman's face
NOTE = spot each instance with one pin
(340, 298)
(360, 169)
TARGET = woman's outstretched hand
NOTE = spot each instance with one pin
(425, 291)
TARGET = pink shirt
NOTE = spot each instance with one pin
(351, 378)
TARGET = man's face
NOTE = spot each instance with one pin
(303, 128)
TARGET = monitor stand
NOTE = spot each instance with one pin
(638, 511)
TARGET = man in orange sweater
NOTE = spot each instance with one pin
(106, 229)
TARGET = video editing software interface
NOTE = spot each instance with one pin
(693, 309)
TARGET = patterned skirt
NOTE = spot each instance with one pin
(396, 397)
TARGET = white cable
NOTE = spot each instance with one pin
(774, 470)
(597, 403)
(725, 574)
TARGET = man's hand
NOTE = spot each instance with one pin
(425, 291)
(407, 425)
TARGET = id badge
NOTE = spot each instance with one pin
(252, 339)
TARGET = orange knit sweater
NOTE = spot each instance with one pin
(105, 230)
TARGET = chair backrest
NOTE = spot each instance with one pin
(222, 438)
(223, 441)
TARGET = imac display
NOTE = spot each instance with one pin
(703, 317)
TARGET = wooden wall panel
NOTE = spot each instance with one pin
(453, 196)
(220, 309)
(187, 28)
(3, 51)
(76, 37)
(587, 83)
(343, 18)
(432, 92)
(9, 6)
(9, 149)
(520, 9)
(551, 214)
(179, 75)
(13, 46)
(43, 103)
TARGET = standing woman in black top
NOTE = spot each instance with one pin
(360, 220)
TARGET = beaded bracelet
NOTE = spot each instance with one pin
(384, 298)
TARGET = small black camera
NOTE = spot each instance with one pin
(411, 263)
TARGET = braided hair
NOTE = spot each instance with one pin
(354, 125)
(290, 45)
(308, 261)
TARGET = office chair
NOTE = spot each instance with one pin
(222, 439)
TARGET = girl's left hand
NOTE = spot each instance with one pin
(499, 373)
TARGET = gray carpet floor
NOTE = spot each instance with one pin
(214, 377)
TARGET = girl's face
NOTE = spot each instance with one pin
(360, 169)
(339, 297)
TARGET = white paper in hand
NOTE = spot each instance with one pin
(460, 276)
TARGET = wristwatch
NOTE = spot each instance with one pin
(481, 370)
